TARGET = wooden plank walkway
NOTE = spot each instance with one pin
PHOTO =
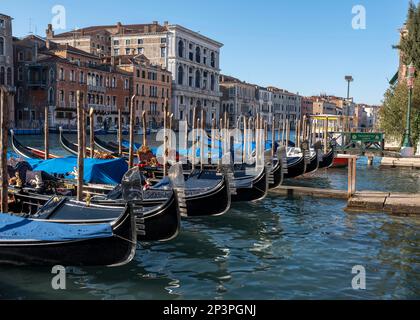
(291, 191)
(401, 162)
(361, 201)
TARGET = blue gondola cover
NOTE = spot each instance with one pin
(14, 228)
(95, 170)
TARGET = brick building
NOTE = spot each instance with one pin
(238, 98)
(307, 106)
(50, 74)
(151, 83)
(192, 58)
(6, 60)
(286, 105)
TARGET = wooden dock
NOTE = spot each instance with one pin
(291, 192)
(413, 163)
(361, 201)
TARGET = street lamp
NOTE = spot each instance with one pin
(411, 69)
(349, 80)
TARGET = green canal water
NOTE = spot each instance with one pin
(274, 249)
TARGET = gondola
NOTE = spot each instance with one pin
(313, 164)
(278, 169)
(250, 187)
(110, 147)
(295, 167)
(36, 242)
(157, 219)
(207, 193)
(26, 152)
(67, 145)
(327, 159)
(73, 148)
(276, 175)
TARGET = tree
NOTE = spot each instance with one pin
(392, 115)
(410, 43)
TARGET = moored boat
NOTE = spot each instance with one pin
(27, 152)
(33, 242)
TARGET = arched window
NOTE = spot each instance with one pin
(20, 95)
(20, 74)
(212, 82)
(9, 77)
(2, 75)
(180, 75)
(52, 76)
(1, 46)
(51, 96)
(198, 54)
(197, 79)
(213, 60)
(181, 49)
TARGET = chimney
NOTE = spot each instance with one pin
(166, 23)
(48, 43)
(49, 32)
(119, 28)
(155, 22)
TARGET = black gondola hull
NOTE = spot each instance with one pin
(295, 169)
(277, 176)
(313, 164)
(327, 160)
(215, 202)
(111, 251)
(258, 191)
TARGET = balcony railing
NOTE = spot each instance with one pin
(96, 88)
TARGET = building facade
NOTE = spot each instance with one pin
(322, 106)
(307, 106)
(286, 105)
(152, 86)
(238, 98)
(50, 74)
(192, 59)
(6, 61)
(264, 98)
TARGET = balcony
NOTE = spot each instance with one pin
(100, 107)
(96, 89)
(153, 113)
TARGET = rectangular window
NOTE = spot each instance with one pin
(116, 52)
(140, 41)
(127, 51)
(162, 40)
(163, 52)
(2, 24)
(140, 50)
(127, 42)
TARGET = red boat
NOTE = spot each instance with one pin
(340, 162)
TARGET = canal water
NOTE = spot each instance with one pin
(274, 249)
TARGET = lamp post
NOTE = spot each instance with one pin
(349, 80)
(410, 83)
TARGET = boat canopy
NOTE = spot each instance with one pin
(13, 228)
(95, 170)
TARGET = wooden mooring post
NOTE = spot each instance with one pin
(92, 132)
(352, 174)
(131, 152)
(80, 147)
(120, 131)
(46, 134)
(4, 115)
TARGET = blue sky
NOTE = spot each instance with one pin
(304, 46)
